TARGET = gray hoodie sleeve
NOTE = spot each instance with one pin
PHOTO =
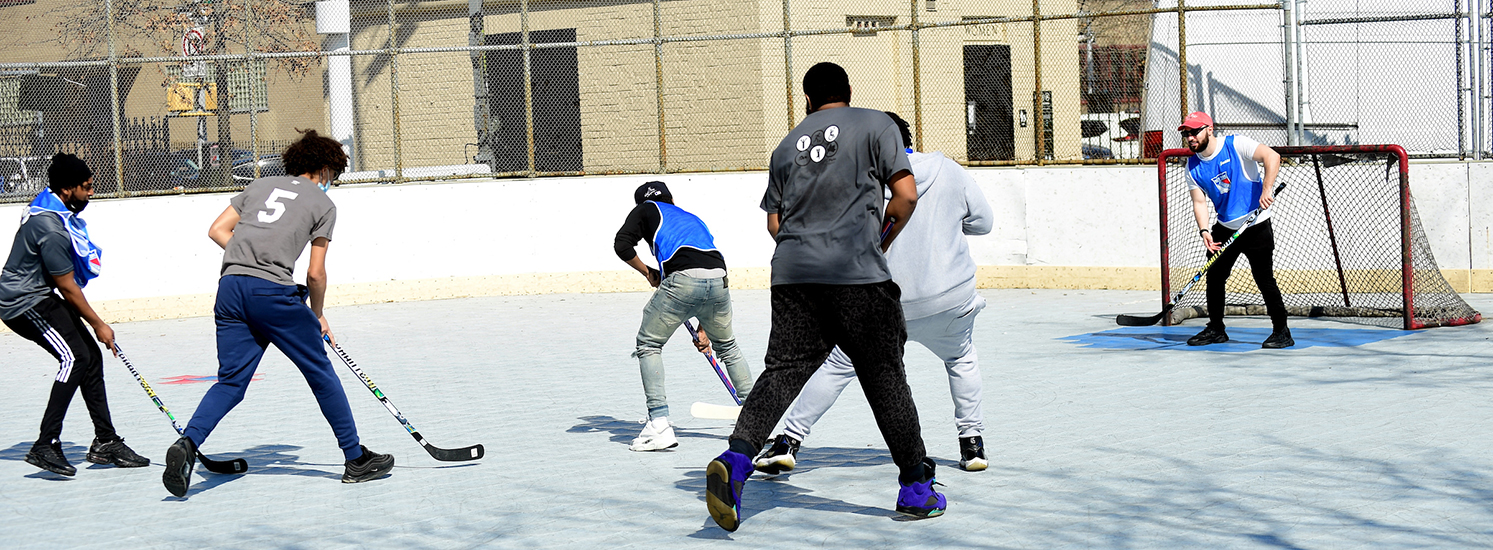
(979, 218)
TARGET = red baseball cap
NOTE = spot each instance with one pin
(1197, 119)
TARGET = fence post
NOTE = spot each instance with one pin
(1037, 115)
(1182, 57)
(528, 84)
(917, 81)
(658, 69)
(253, 92)
(788, 63)
(1288, 26)
(1461, 82)
(114, 113)
(394, 98)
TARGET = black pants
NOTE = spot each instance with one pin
(57, 328)
(808, 321)
(1258, 244)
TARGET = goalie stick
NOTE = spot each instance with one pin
(707, 410)
(1140, 321)
(235, 466)
(473, 452)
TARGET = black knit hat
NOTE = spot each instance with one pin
(652, 191)
(67, 171)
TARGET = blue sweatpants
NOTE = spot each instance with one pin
(251, 314)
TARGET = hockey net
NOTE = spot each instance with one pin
(1348, 243)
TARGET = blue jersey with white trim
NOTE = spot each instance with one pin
(678, 229)
(1223, 179)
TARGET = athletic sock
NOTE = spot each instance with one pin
(744, 447)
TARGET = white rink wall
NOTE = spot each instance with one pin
(1057, 227)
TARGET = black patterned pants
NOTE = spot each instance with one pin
(808, 321)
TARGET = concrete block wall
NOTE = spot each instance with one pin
(1081, 227)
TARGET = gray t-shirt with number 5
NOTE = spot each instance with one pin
(278, 217)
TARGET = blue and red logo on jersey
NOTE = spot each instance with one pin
(1222, 182)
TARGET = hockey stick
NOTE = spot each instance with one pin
(707, 410)
(1138, 321)
(448, 455)
(235, 466)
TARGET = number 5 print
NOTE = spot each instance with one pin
(273, 203)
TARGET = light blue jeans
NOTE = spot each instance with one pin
(678, 298)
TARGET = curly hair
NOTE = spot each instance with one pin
(313, 152)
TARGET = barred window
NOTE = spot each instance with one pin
(10, 115)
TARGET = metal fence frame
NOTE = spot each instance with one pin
(1475, 90)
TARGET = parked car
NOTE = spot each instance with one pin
(270, 165)
(175, 169)
(23, 175)
(1110, 135)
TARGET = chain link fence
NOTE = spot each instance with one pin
(196, 96)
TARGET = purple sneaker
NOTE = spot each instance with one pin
(918, 499)
(724, 479)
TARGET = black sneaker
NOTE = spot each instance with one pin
(115, 452)
(1208, 336)
(1281, 338)
(181, 457)
(48, 456)
(972, 453)
(368, 467)
(780, 457)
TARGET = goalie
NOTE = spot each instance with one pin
(1226, 175)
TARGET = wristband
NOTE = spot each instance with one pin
(1204, 231)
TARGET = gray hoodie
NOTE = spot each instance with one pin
(930, 259)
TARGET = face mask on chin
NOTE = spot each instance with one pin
(76, 205)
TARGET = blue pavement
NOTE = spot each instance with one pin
(1360, 437)
(1240, 339)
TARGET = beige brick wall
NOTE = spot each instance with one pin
(726, 103)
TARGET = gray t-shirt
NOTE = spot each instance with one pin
(42, 247)
(825, 183)
(278, 216)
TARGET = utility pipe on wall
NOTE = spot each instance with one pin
(332, 20)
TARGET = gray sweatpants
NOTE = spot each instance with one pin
(948, 334)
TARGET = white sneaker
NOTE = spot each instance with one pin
(658, 434)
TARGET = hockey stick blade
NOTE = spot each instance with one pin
(235, 466)
(473, 452)
(1127, 320)
(453, 455)
(714, 412)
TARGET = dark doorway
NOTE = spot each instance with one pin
(557, 103)
(987, 100)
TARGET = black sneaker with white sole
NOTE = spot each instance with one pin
(181, 458)
(972, 453)
(115, 452)
(781, 456)
(368, 467)
(49, 457)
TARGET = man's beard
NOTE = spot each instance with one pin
(1202, 145)
(77, 205)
